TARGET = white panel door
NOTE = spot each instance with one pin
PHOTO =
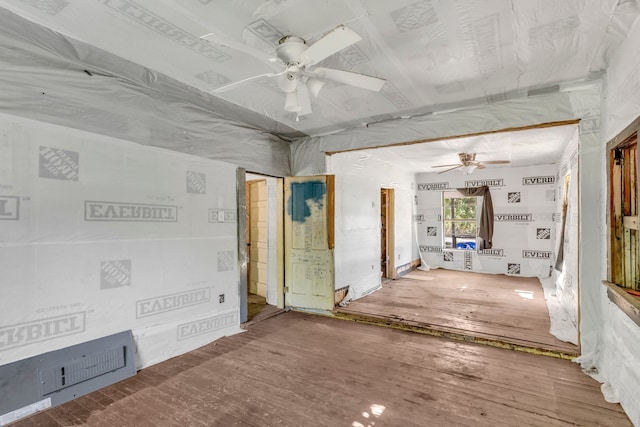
(308, 233)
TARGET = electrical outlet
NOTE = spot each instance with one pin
(221, 298)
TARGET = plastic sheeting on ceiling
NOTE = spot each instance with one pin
(433, 54)
(540, 146)
(42, 77)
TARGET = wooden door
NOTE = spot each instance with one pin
(308, 232)
(257, 239)
(383, 232)
(387, 264)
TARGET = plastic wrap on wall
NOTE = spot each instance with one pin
(524, 233)
(593, 298)
(562, 324)
(43, 79)
(619, 355)
(99, 235)
(566, 249)
(622, 103)
(609, 339)
(358, 180)
(561, 288)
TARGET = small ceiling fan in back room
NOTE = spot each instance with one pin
(298, 76)
(468, 163)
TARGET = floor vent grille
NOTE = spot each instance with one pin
(82, 369)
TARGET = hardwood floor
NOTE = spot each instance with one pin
(303, 370)
(490, 307)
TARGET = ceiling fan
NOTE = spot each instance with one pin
(297, 78)
(468, 163)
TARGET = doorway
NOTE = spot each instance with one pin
(524, 247)
(257, 245)
(264, 244)
(387, 265)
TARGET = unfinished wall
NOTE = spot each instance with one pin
(99, 235)
(612, 344)
(358, 180)
(524, 232)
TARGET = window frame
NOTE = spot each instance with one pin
(478, 206)
(622, 214)
(616, 293)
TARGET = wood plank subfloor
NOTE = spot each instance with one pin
(303, 370)
(487, 306)
(255, 304)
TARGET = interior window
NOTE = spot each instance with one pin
(623, 187)
(459, 221)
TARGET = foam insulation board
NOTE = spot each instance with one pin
(100, 235)
(524, 201)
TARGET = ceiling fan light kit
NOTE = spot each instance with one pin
(291, 103)
(468, 164)
(315, 85)
(287, 82)
(468, 169)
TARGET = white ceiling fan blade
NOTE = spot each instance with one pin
(304, 103)
(347, 77)
(238, 46)
(233, 85)
(495, 162)
(447, 170)
(332, 42)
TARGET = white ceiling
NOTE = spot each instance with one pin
(523, 148)
(434, 54)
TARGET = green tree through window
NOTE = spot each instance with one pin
(459, 220)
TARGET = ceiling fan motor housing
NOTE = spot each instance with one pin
(466, 158)
(290, 49)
